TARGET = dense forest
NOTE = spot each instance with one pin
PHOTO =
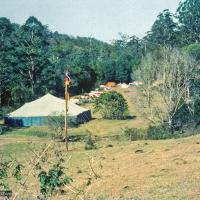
(33, 59)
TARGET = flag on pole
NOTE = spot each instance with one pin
(67, 81)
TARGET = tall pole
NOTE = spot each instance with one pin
(67, 81)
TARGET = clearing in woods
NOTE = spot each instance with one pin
(149, 170)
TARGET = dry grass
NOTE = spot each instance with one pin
(165, 170)
(160, 170)
(142, 170)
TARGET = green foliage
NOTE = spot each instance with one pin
(57, 124)
(4, 167)
(4, 173)
(188, 14)
(111, 105)
(158, 132)
(134, 134)
(89, 143)
(8, 169)
(3, 129)
(72, 122)
(194, 51)
(17, 173)
(161, 132)
(164, 31)
(4, 110)
(48, 164)
(33, 59)
(53, 180)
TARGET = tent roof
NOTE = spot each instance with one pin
(45, 106)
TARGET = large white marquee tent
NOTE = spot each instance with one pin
(36, 113)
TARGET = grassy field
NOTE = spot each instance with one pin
(127, 170)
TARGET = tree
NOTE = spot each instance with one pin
(111, 105)
(194, 51)
(164, 31)
(7, 59)
(32, 54)
(147, 75)
(188, 14)
(171, 83)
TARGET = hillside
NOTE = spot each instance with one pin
(118, 168)
(128, 170)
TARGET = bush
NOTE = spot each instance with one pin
(183, 118)
(57, 124)
(4, 110)
(158, 132)
(3, 129)
(72, 122)
(90, 143)
(111, 105)
(134, 134)
(161, 132)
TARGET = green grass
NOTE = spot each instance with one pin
(97, 126)
(19, 149)
(41, 132)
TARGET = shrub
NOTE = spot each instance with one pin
(160, 132)
(4, 110)
(3, 129)
(134, 134)
(90, 143)
(72, 122)
(52, 180)
(183, 117)
(111, 105)
(157, 132)
(57, 124)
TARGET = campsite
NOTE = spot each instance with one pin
(88, 115)
(147, 168)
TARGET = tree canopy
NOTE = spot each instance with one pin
(33, 59)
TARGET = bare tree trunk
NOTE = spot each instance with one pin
(32, 89)
(149, 99)
(32, 80)
(0, 95)
(171, 124)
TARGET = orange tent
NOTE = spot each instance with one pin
(111, 84)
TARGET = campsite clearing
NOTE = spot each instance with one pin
(143, 170)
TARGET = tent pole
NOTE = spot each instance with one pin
(67, 80)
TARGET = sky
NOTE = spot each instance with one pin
(101, 19)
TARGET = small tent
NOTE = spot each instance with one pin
(111, 84)
(36, 113)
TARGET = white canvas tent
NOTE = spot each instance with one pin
(35, 113)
